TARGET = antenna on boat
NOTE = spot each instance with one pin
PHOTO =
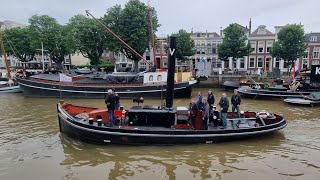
(116, 36)
(4, 54)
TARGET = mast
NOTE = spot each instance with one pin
(171, 71)
(152, 39)
(5, 55)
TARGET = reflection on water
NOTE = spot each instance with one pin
(32, 148)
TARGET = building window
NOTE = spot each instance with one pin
(268, 49)
(305, 64)
(306, 55)
(252, 63)
(261, 47)
(316, 51)
(147, 57)
(216, 64)
(253, 47)
(242, 63)
(269, 46)
(315, 62)
(285, 64)
(277, 64)
(214, 51)
(159, 77)
(260, 63)
(150, 78)
(313, 38)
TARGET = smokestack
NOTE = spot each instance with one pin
(250, 26)
(171, 71)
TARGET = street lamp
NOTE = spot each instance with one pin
(42, 60)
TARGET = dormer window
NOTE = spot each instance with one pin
(313, 38)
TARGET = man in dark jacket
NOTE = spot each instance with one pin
(204, 114)
(111, 105)
(210, 98)
(235, 101)
(224, 106)
(193, 111)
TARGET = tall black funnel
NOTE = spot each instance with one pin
(171, 71)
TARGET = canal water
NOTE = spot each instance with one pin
(31, 147)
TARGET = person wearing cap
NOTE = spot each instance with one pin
(111, 105)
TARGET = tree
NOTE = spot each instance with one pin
(185, 45)
(234, 43)
(54, 36)
(131, 23)
(89, 38)
(291, 44)
(18, 43)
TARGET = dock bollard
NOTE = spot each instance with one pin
(91, 121)
(99, 122)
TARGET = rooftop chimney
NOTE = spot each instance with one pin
(250, 26)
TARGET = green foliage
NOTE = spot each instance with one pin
(234, 43)
(132, 24)
(88, 37)
(18, 43)
(103, 63)
(291, 44)
(185, 45)
(54, 36)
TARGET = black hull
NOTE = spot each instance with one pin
(39, 89)
(230, 85)
(267, 94)
(104, 135)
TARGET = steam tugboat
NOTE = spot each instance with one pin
(159, 125)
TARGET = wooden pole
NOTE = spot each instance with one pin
(5, 56)
(152, 40)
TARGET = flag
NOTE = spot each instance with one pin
(296, 70)
(64, 78)
(204, 62)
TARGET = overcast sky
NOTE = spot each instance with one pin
(201, 15)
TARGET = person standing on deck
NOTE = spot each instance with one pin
(224, 106)
(199, 102)
(117, 107)
(210, 98)
(235, 101)
(111, 105)
(193, 111)
(204, 114)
